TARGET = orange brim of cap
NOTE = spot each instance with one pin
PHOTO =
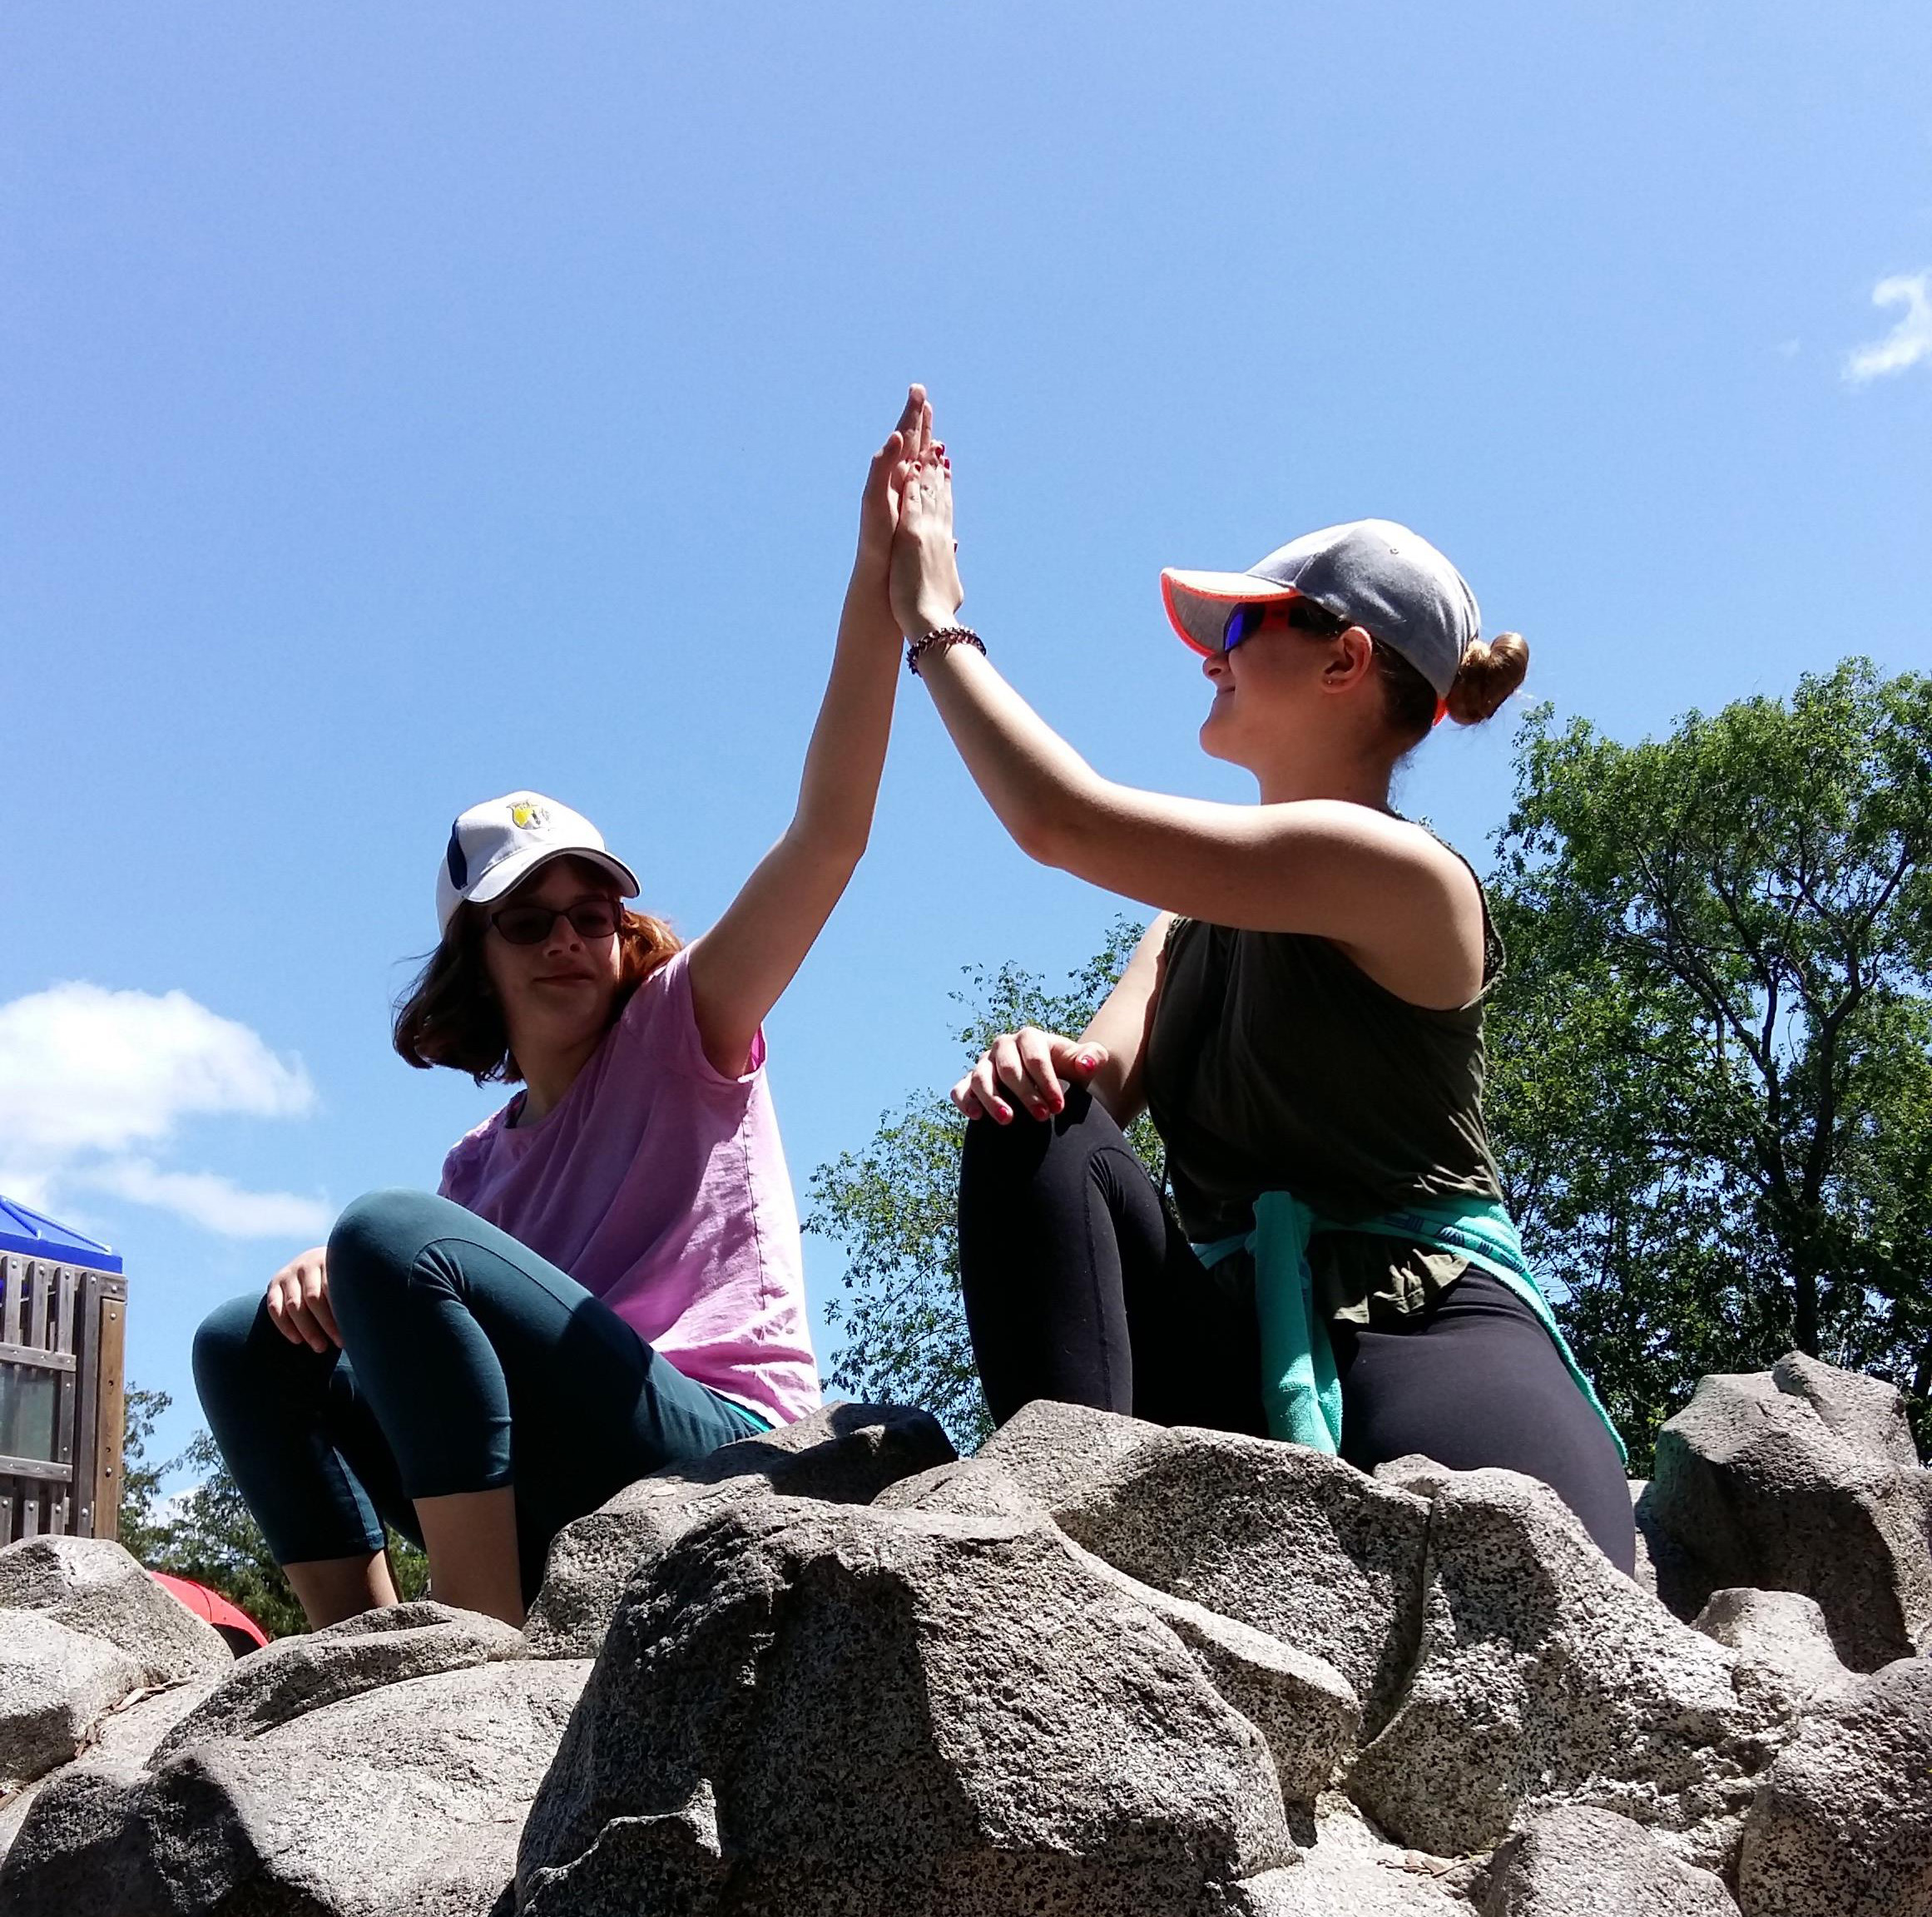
(1197, 603)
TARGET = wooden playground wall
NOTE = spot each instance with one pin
(63, 1336)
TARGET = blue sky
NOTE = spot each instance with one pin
(398, 405)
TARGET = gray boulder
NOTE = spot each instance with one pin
(91, 1584)
(813, 1711)
(1039, 1459)
(1779, 1635)
(1543, 1673)
(1867, 1413)
(55, 1686)
(404, 1802)
(1052, 1451)
(843, 1454)
(1303, 1708)
(1664, 1567)
(1285, 1540)
(1572, 1862)
(1756, 1487)
(967, 1489)
(1843, 1827)
(120, 1745)
(295, 1675)
(1348, 1871)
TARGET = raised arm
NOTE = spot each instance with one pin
(740, 966)
(1401, 904)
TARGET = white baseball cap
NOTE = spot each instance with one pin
(495, 845)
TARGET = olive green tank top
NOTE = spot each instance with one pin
(1275, 1063)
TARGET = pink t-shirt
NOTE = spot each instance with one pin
(660, 1186)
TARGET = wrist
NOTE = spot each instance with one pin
(928, 619)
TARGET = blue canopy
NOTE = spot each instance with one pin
(25, 1232)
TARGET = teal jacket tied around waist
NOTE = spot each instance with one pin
(1299, 1388)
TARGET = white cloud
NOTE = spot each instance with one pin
(83, 1068)
(215, 1203)
(1909, 342)
(87, 1076)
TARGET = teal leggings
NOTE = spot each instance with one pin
(468, 1364)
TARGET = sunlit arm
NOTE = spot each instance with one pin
(1345, 872)
(741, 966)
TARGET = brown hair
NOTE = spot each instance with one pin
(1491, 670)
(449, 1015)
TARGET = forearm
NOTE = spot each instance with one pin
(839, 787)
(1044, 792)
(739, 967)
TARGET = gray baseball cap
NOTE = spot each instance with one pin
(1379, 576)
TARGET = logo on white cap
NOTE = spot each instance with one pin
(494, 846)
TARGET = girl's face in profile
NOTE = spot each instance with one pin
(1266, 691)
(556, 983)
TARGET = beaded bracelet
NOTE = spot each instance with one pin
(942, 636)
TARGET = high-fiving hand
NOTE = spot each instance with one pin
(926, 591)
(905, 446)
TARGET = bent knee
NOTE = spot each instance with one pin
(376, 1227)
(378, 1238)
(1027, 1139)
(222, 1339)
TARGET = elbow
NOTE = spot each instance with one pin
(830, 848)
(1041, 833)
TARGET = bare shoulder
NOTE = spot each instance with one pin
(1426, 942)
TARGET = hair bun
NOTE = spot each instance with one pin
(1491, 670)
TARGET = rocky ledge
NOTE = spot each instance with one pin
(1101, 1666)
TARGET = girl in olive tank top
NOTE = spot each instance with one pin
(1303, 1021)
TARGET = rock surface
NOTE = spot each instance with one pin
(403, 1799)
(1757, 1488)
(294, 1676)
(1303, 1708)
(810, 1710)
(1351, 1872)
(55, 1686)
(91, 1585)
(1843, 1827)
(1543, 1673)
(1781, 1634)
(843, 1454)
(121, 1743)
(1287, 1540)
(1575, 1862)
(1102, 1666)
(1867, 1413)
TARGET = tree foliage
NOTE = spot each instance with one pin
(891, 1205)
(1711, 1063)
(207, 1531)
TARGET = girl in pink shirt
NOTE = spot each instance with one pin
(610, 1277)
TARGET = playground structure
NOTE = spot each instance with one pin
(63, 1323)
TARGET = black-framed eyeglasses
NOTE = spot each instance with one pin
(531, 924)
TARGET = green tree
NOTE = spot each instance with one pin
(891, 1205)
(1711, 1058)
(142, 1475)
(207, 1532)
